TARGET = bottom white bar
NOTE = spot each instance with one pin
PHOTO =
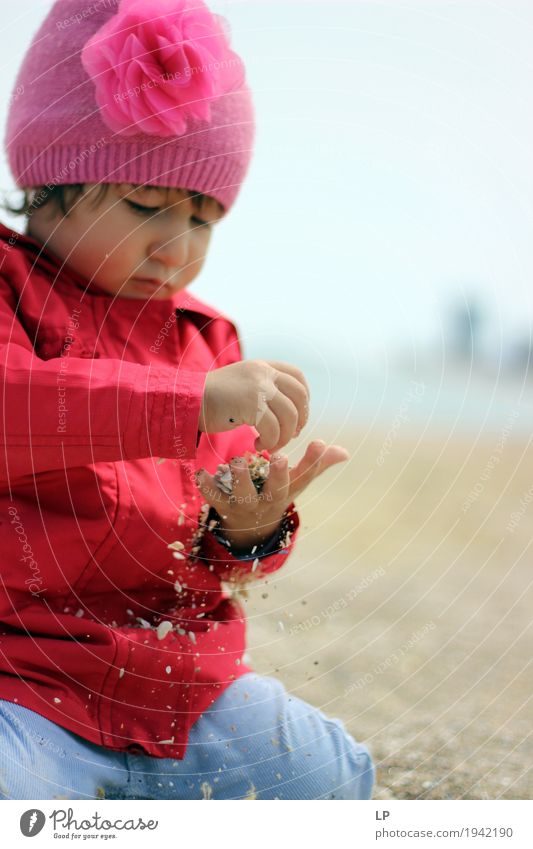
(324, 825)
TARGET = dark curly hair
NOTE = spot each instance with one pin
(64, 196)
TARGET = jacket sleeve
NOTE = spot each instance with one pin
(273, 553)
(94, 410)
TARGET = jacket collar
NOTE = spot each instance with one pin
(62, 273)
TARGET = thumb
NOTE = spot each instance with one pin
(317, 458)
(207, 486)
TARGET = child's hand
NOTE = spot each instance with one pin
(271, 396)
(248, 517)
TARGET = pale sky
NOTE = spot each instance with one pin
(393, 170)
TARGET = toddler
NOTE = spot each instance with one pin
(123, 671)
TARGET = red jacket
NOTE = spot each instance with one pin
(100, 401)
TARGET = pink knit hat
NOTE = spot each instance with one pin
(132, 91)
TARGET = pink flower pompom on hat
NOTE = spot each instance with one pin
(157, 63)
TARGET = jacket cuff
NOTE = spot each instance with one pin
(268, 546)
(268, 557)
(163, 415)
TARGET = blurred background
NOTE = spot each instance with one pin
(383, 243)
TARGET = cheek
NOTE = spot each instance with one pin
(112, 246)
(199, 253)
(194, 267)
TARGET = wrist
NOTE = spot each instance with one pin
(244, 540)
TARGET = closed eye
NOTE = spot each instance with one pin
(143, 210)
(153, 210)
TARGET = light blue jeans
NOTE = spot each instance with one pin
(255, 742)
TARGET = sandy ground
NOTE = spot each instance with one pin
(406, 610)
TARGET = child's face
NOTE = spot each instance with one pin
(118, 246)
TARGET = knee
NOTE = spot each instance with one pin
(352, 772)
(357, 774)
(328, 763)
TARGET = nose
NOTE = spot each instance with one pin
(171, 248)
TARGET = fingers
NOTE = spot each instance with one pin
(298, 394)
(317, 458)
(243, 489)
(294, 371)
(276, 486)
(288, 401)
(286, 416)
(268, 429)
(210, 491)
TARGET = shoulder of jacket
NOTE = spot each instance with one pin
(194, 305)
(14, 268)
(14, 255)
